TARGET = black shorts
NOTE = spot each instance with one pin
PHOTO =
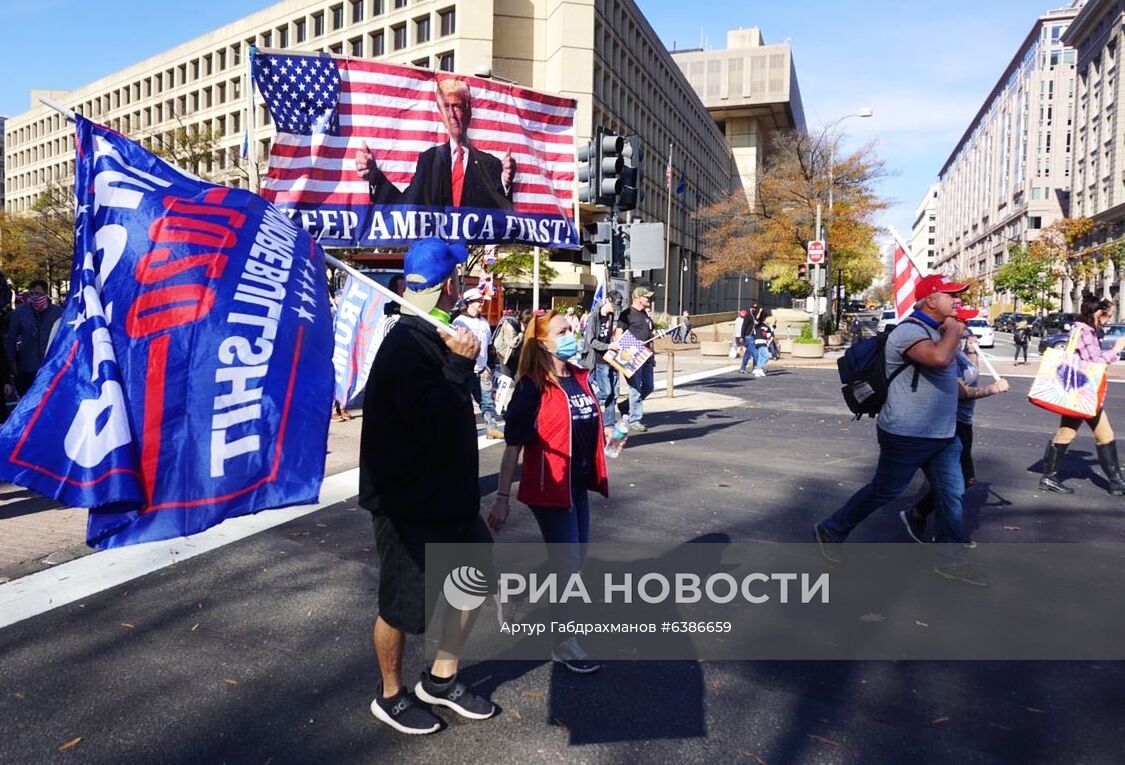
(401, 545)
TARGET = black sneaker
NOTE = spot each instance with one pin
(456, 695)
(829, 549)
(915, 526)
(965, 574)
(403, 713)
(570, 655)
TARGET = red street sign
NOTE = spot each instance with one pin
(816, 252)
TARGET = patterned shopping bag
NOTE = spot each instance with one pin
(1068, 385)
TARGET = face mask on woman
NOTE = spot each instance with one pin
(39, 302)
(566, 347)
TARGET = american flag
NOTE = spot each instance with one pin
(668, 171)
(327, 108)
(906, 279)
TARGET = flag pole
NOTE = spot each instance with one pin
(906, 250)
(668, 227)
(251, 123)
(387, 293)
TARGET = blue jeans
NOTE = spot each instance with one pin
(900, 457)
(640, 385)
(749, 355)
(763, 352)
(605, 388)
(482, 394)
(566, 532)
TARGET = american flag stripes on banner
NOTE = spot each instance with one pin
(510, 178)
(906, 279)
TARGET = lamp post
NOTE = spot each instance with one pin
(864, 112)
(742, 277)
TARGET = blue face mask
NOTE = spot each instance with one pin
(566, 347)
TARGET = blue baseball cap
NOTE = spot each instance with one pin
(429, 262)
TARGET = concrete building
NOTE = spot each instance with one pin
(750, 90)
(1097, 34)
(923, 236)
(2, 121)
(1009, 175)
(601, 52)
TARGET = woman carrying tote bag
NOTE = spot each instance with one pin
(1094, 312)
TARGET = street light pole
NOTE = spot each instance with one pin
(864, 112)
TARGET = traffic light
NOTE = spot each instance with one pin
(598, 242)
(632, 176)
(610, 164)
(803, 271)
(587, 173)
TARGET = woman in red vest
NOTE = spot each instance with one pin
(555, 420)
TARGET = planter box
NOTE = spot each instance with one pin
(809, 350)
(714, 347)
(835, 341)
(785, 344)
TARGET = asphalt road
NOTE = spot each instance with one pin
(260, 652)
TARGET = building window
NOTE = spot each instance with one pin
(377, 7)
(400, 3)
(283, 37)
(337, 17)
(421, 30)
(267, 39)
(399, 31)
(338, 49)
(318, 24)
(378, 43)
(221, 60)
(445, 61)
(423, 63)
(299, 30)
(447, 20)
(357, 11)
(355, 46)
(1035, 222)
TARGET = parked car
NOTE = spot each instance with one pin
(1111, 334)
(1058, 322)
(1006, 322)
(1035, 326)
(886, 319)
(986, 338)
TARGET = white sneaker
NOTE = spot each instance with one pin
(759, 373)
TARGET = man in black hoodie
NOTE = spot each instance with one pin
(418, 476)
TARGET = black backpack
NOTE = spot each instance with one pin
(863, 372)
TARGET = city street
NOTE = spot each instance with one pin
(260, 651)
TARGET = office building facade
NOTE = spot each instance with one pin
(1010, 174)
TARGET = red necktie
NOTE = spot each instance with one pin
(458, 177)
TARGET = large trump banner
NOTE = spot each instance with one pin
(371, 154)
(190, 378)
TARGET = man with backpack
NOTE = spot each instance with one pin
(917, 428)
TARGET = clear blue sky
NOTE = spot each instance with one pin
(925, 69)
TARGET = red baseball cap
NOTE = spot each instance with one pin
(964, 313)
(928, 285)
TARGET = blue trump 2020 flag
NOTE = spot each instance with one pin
(190, 379)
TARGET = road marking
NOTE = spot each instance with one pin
(83, 577)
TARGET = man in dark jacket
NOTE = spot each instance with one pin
(29, 333)
(598, 336)
(418, 476)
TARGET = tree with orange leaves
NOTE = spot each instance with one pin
(766, 230)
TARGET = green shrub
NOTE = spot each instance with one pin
(806, 338)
